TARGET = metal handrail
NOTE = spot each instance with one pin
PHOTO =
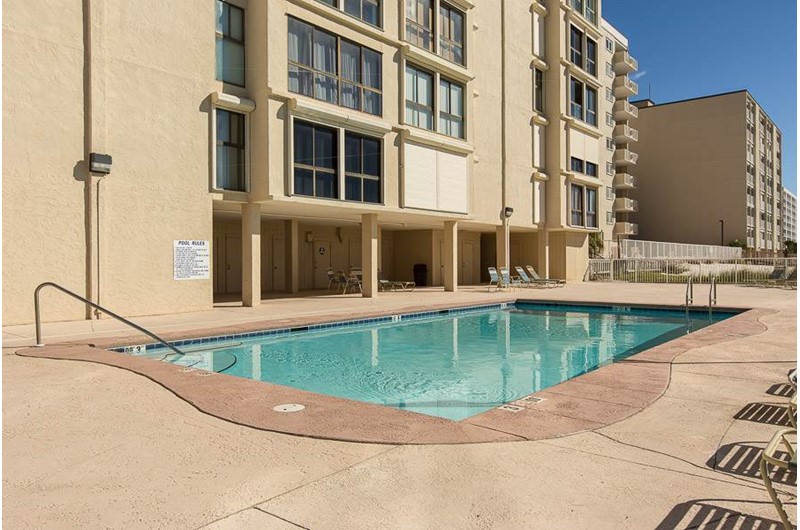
(712, 296)
(689, 293)
(124, 320)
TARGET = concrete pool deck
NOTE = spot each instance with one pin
(82, 437)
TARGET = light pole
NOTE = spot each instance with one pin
(722, 232)
(507, 212)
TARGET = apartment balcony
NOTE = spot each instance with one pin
(624, 111)
(625, 157)
(624, 87)
(624, 63)
(626, 229)
(624, 133)
(624, 181)
(625, 205)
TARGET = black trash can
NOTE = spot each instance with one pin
(421, 274)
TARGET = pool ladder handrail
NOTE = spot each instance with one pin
(712, 296)
(124, 320)
(689, 294)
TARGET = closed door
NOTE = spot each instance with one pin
(278, 264)
(233, 264)
(322, 261)
(467, 261)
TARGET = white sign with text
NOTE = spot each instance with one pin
(191, 259)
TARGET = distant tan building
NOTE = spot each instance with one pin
(789, 216)
(298, 136)
(709, 172)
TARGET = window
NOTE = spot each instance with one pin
(419, 23)
(451, 34)
(591, 169)
(591, 208)
(538, 91)
(609, 218)
(419, 98)
(451, 108)
(316, 160)
(577, 5)
(328, 68)
(576, 99)
(610, 119)
(609, 144)
(609, 70)
(230, 44)
(609, 94)
(591, 57)
(576, 205)
(362, 168)
(576, 164)
(367, 10)
(231, 154)
(591, 106)
(609, 168)
(610, 193)
(609, 45)
(587, 8)
(576, 46)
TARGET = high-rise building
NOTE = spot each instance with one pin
(709, 172)
(291, 139)
(789, 216)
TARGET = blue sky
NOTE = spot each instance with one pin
(691, 48)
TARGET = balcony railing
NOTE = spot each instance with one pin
(625, 133)
(625, 111)
(624, 63)
(624, 181)
(625, 157)
(626, 229)
(623, 204)
(625, 87)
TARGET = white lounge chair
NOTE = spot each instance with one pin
(535, 276)
(780, 442)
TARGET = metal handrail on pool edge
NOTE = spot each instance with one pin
(124, 320)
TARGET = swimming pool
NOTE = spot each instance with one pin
(452, 363)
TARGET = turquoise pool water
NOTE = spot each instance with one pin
(453, 365)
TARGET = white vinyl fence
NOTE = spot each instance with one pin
(756, 271)
(634, 248)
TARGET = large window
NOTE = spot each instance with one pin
(583, 206)
(230, 44)
(451, 34)
(419, 98)
(316, 160)
(328, 68)
(367, 10)
(587, 8)
(231, 153)
(538, 90)
(419, 23)
(582, 102)
(451, 108)
(362, 168)
(582, 51)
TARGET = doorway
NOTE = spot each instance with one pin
(467, 263)
(278, 264)
(322, 262)
(233, 264)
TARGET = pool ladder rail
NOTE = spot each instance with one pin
(712, 297)
(98, 307)
(689, 295)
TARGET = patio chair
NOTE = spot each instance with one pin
(508, 280)
(793, 411)
(353, 282)
(780, 442)
(534, 275)
(526, 280)
(494, 280)
(792, 376)
(791, 279)
(393, 285)
(334, 279)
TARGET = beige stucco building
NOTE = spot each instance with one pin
(295, 136)
(709, 172)
(789, 216)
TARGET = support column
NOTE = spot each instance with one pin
(251, 254)
(450, 258)
(369, 255)
(502, 247)
(292, 238)
(543, 253)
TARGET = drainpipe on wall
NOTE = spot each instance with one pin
(506, 229)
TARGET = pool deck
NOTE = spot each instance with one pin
(651, 442)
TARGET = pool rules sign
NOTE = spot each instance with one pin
(191, 259)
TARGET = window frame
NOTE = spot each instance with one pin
(363, 176)
(450, 83)
(418, 106)
(580, 210)
(576, 165)
(576, 55)
(420, 25)
(224, 38)
(244, 148)
(440, 38)
(335, 170)
(538, 90)
(337, 76)
(590, 165)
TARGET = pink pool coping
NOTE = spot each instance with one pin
(593, 400)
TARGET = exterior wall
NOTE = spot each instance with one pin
(691, 170)
(789, 216)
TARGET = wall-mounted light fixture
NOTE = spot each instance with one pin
(309, 237)
(507, 211)
(99, 163)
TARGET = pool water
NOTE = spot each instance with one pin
(452, 365)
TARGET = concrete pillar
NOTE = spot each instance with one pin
(543, 254)
(369, 255)
(292, 238)
(450, 257)
(251, 254)
(502, 248)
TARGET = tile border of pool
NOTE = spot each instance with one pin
(598, 398)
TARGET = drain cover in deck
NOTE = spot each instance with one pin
(288, 407)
